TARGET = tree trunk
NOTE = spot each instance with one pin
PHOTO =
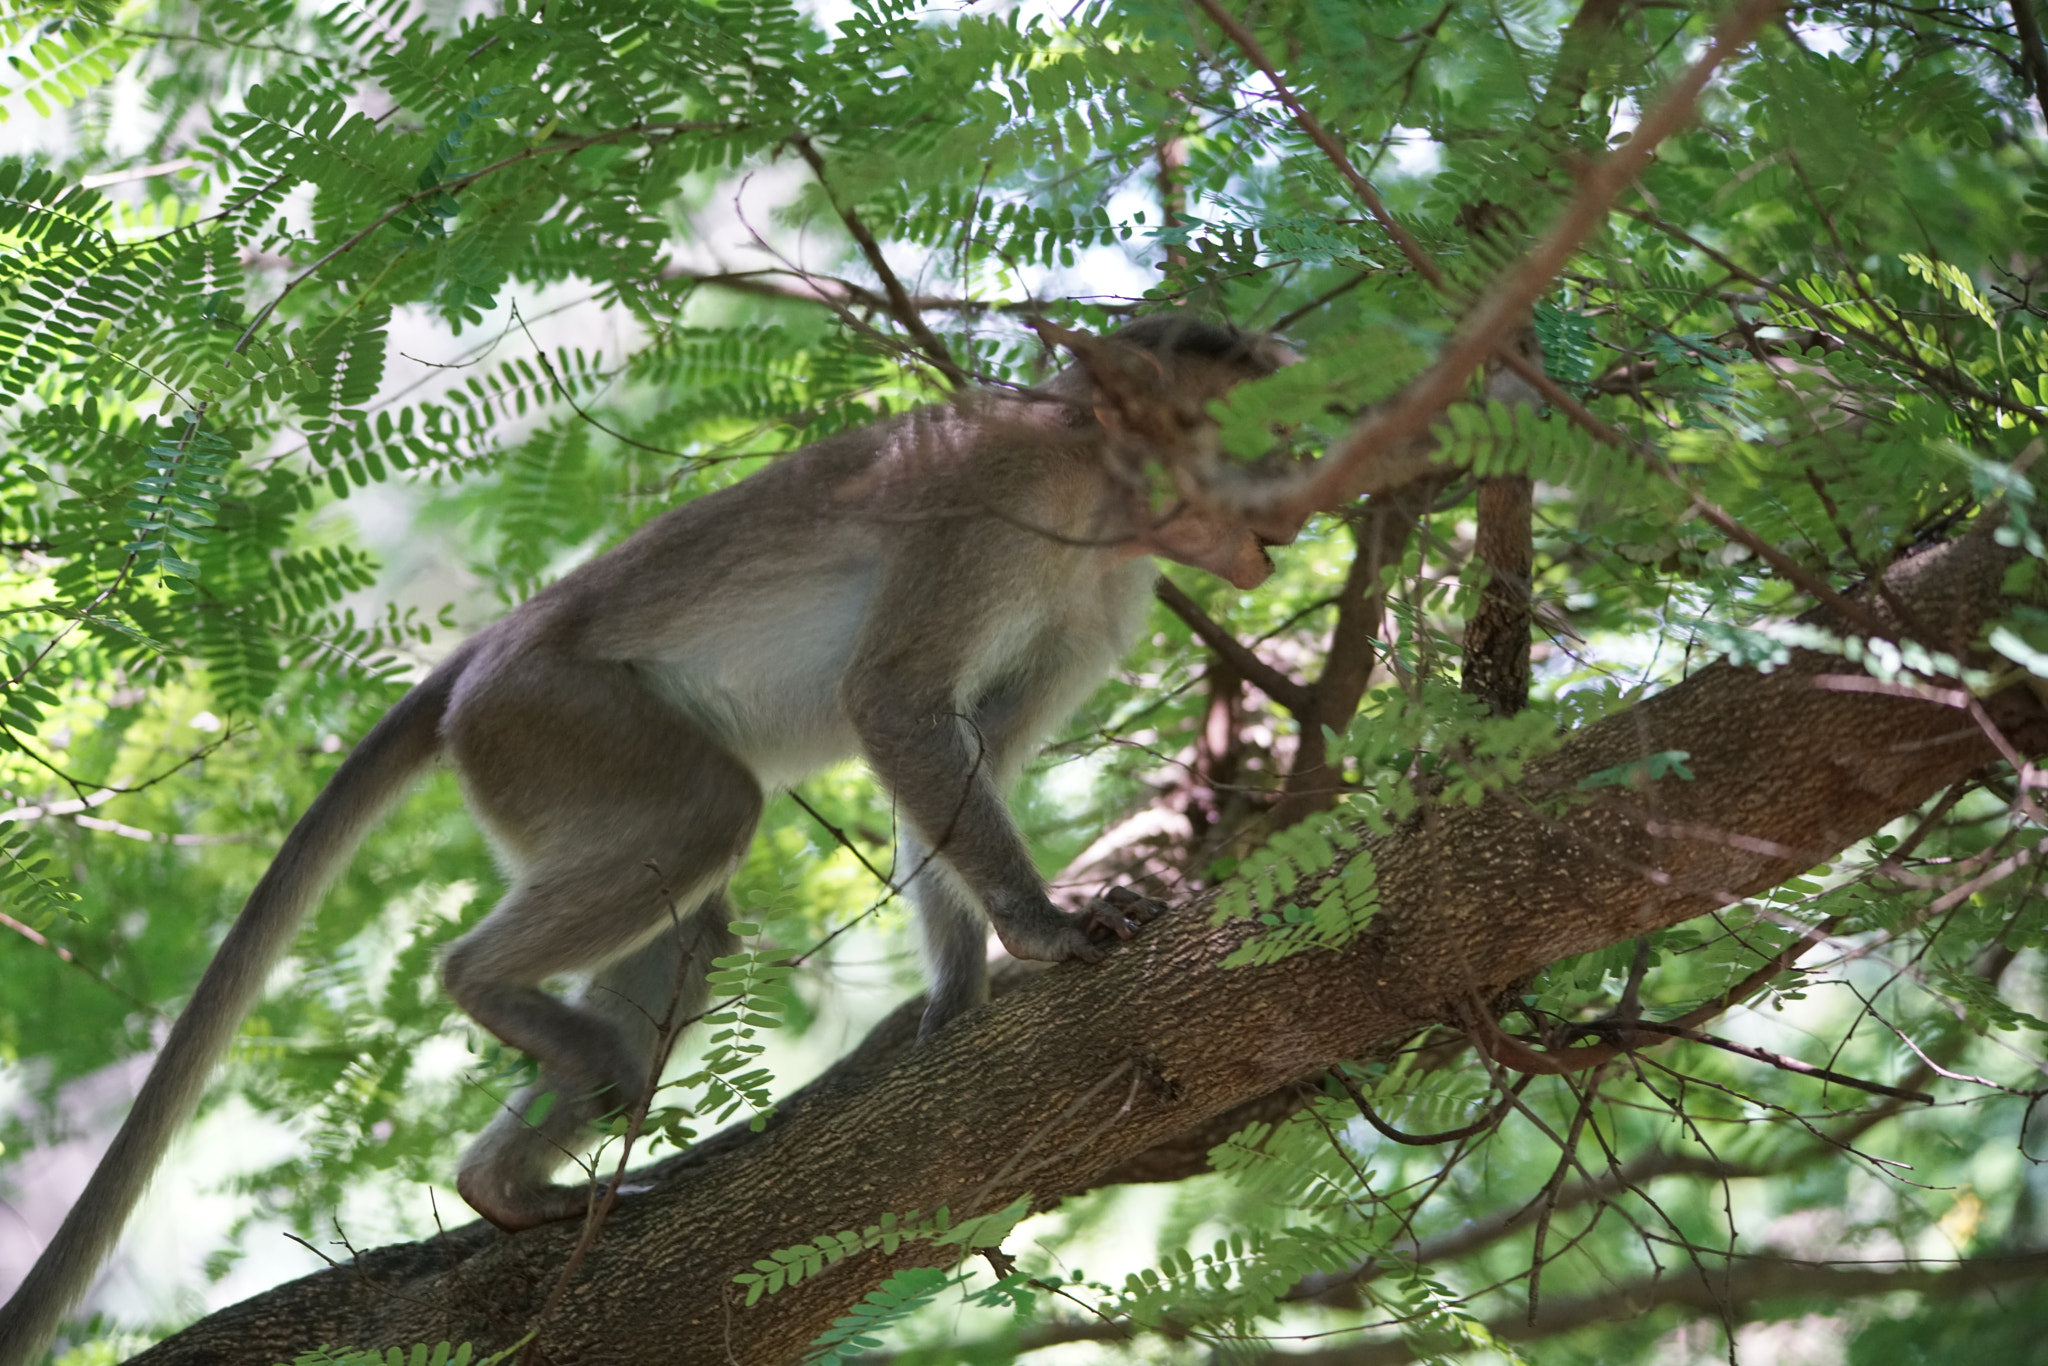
(1087, 1068)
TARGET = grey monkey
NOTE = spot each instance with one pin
(933, 592)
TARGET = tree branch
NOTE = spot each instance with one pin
(1382, 446)
(1382, 529)
(1472, 899)
(1255, 671)
(2033, 52)
(1717, 1293)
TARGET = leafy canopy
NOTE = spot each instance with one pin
(327, 332)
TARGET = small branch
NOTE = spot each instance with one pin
(845, 841)
(1567, 1159)
(1295, 315)
(1609, 1183)
(35, 937)
(540, 354)
(1777, 1060)
(1518, 1055)
(1491, 1119)
(1295, 697)
(900, 306)
(1351, 469)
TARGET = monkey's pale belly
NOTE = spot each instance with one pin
(771, 699)
(782, 733)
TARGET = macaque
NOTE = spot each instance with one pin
(934, 593)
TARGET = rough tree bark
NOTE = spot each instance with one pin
(1085, 1069)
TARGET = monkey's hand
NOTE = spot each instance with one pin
(1048, 934)
(1119, 911)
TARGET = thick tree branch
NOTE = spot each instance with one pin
(1750, 1283)
(1013, 1100)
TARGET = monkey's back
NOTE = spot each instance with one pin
(803, 546)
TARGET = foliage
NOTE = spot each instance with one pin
(727, 1074)
(786, 1266)
(1270, 879)
(329, 329)
(902, 1294)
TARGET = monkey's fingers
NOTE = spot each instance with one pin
(1120, 912)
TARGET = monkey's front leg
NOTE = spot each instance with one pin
(981, 846)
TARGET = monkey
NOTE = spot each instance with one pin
(934, 592)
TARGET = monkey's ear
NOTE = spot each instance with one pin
(1271, 354)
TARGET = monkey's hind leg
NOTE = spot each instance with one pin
(621, 812)
(650, 995)
(954, 931)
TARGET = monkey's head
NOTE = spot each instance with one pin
(1155, 376)
(1150, 383)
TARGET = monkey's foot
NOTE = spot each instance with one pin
(516, 1210)
(1120, 912)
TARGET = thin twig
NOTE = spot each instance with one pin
(900, 306)
(665, 1031)
(540, 354)
(1783, 1063)
(1295, 697)
(1490, 1120)
(1551, 1190)
(2033, 52)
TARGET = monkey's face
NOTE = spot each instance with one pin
(1220, 544)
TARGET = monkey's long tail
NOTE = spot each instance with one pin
(368, 783)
